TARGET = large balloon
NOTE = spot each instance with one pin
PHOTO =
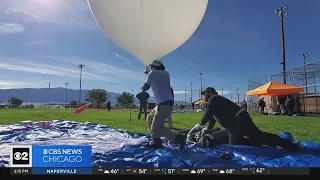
(148, 29)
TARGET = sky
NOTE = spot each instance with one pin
(43, 41)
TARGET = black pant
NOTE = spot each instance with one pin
(290, 111)
(244, 127)
(143, 109)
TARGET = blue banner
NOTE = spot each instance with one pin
(61, 156)
(62, 171)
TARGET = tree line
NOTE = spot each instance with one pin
(97, 97)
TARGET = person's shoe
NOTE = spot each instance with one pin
(181, 140)
(155, 144)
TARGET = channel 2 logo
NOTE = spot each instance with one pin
(21, 156)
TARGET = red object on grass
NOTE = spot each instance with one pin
(81, 109)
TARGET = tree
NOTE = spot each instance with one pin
(15, 102)
(31, 106)
(73, 102)
(125, 99)
(97, 97)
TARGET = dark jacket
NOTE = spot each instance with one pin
(172, 92)
(290, 102)
(143, 97)
(261, 103)
(222, 110)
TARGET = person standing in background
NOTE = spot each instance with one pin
(169, 118)
(108, 105)
(262, 105)
(244, 104)
(143, 98)
(289, 104)
(159, 81)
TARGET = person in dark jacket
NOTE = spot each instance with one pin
(108, 105)
(143, 98)
(239, 123)
(262, 105)
(289, 104)
(169, 118)
(244, 104)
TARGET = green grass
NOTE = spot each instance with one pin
(302, 128)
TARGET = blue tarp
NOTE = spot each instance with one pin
(119, 148)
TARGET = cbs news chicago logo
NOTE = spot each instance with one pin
(21, 156)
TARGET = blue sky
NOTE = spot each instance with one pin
(44, 40)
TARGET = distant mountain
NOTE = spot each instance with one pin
(57, 95)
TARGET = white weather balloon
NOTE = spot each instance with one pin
(148, 29)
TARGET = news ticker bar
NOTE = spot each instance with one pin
(161, 171)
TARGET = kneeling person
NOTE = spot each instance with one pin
(239, 123)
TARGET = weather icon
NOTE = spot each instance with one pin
(106, 172)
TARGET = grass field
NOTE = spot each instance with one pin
(302, 128)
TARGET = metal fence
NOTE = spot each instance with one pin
(253, 100)
(311, 96)
(186, 97)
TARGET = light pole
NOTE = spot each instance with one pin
(49, 92)
(131, 104)
(238, 95)
(305, 56)
(80, 66)
(200, 83)
(282, 11)
(191, 92)
(185, 98)
(66, 92)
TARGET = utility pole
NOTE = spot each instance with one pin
(238, 96)
(200, 83)
(315, 91)
(66, 92)
(185, 98)
(222, 92)
(80, 66)
(131, 104)
(191, 92)
(304, 57)
(282, 11)
(49, 92)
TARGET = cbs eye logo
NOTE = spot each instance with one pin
(20, 157)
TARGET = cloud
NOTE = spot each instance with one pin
(17, 10)
(71, 14)
(11, 28)
(93, 70)
(127, 61)
(224, 92)
(102, 68)
(4, 84)
(180, 92)
(41, 42)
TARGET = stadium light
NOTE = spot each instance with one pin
(282, 11)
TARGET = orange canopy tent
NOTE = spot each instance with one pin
(274, 88)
